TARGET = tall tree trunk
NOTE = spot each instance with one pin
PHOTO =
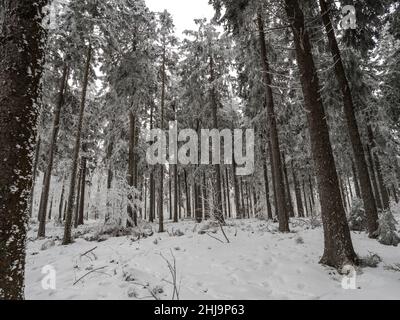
(49, 167)
(300, 209)
(236, 188)
(197, 204)
(34, 175)
(267, 196)
(308, 209)
(273, 132)
(131, 167)
(161, 187)
(51, 207)
(176, 189)
(373, 176)
(349, 110)
(338, 245)
(228, 192)
(273, 176)
(78, 198)
(206, 197)
(152, 208)
(288, 193)
(170, 193)
(355, 180)
(71, 197)
(378, 169)
(60, 206)
(395, 196)
(217, 167)
(21, 62)
(243, 215)
(188, 201)
(82, 192)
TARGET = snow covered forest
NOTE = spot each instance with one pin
(86, 214)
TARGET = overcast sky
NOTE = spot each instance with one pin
(183, 11)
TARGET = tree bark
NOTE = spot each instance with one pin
(228, 193)
(21, 62)
(34, 175)
(71, 197)
(60, 206)
(188, 201)
(274, 137)
(300, 209)
(355, 181)
(49, 167)
(132, 214)
(349, 110)
(288, 193)
(217, 167)
(338, 245)
(82, 192)
(378, 168)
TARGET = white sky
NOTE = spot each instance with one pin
(183, 11)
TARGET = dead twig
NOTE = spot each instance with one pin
(207, 233)
(85, 275)
(173, 271)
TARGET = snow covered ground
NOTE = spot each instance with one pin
(258, 263)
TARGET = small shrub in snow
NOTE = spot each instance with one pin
(372, 260)
(47, 245)
(357, 218)
(132, 293)
(128, 275)
(386, 232)
(299, 240)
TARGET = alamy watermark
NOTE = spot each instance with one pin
(238, 146)
(49, 280)
(349, 21)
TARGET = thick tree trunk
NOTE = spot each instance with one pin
(218, 214)
(274, 137)
(300, 209)
(71, 197)
(349, 110)
(49, 167)
(21, 61)
(338, 245)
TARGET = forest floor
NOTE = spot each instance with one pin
(258, 263)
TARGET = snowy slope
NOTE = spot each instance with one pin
(257, 264)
